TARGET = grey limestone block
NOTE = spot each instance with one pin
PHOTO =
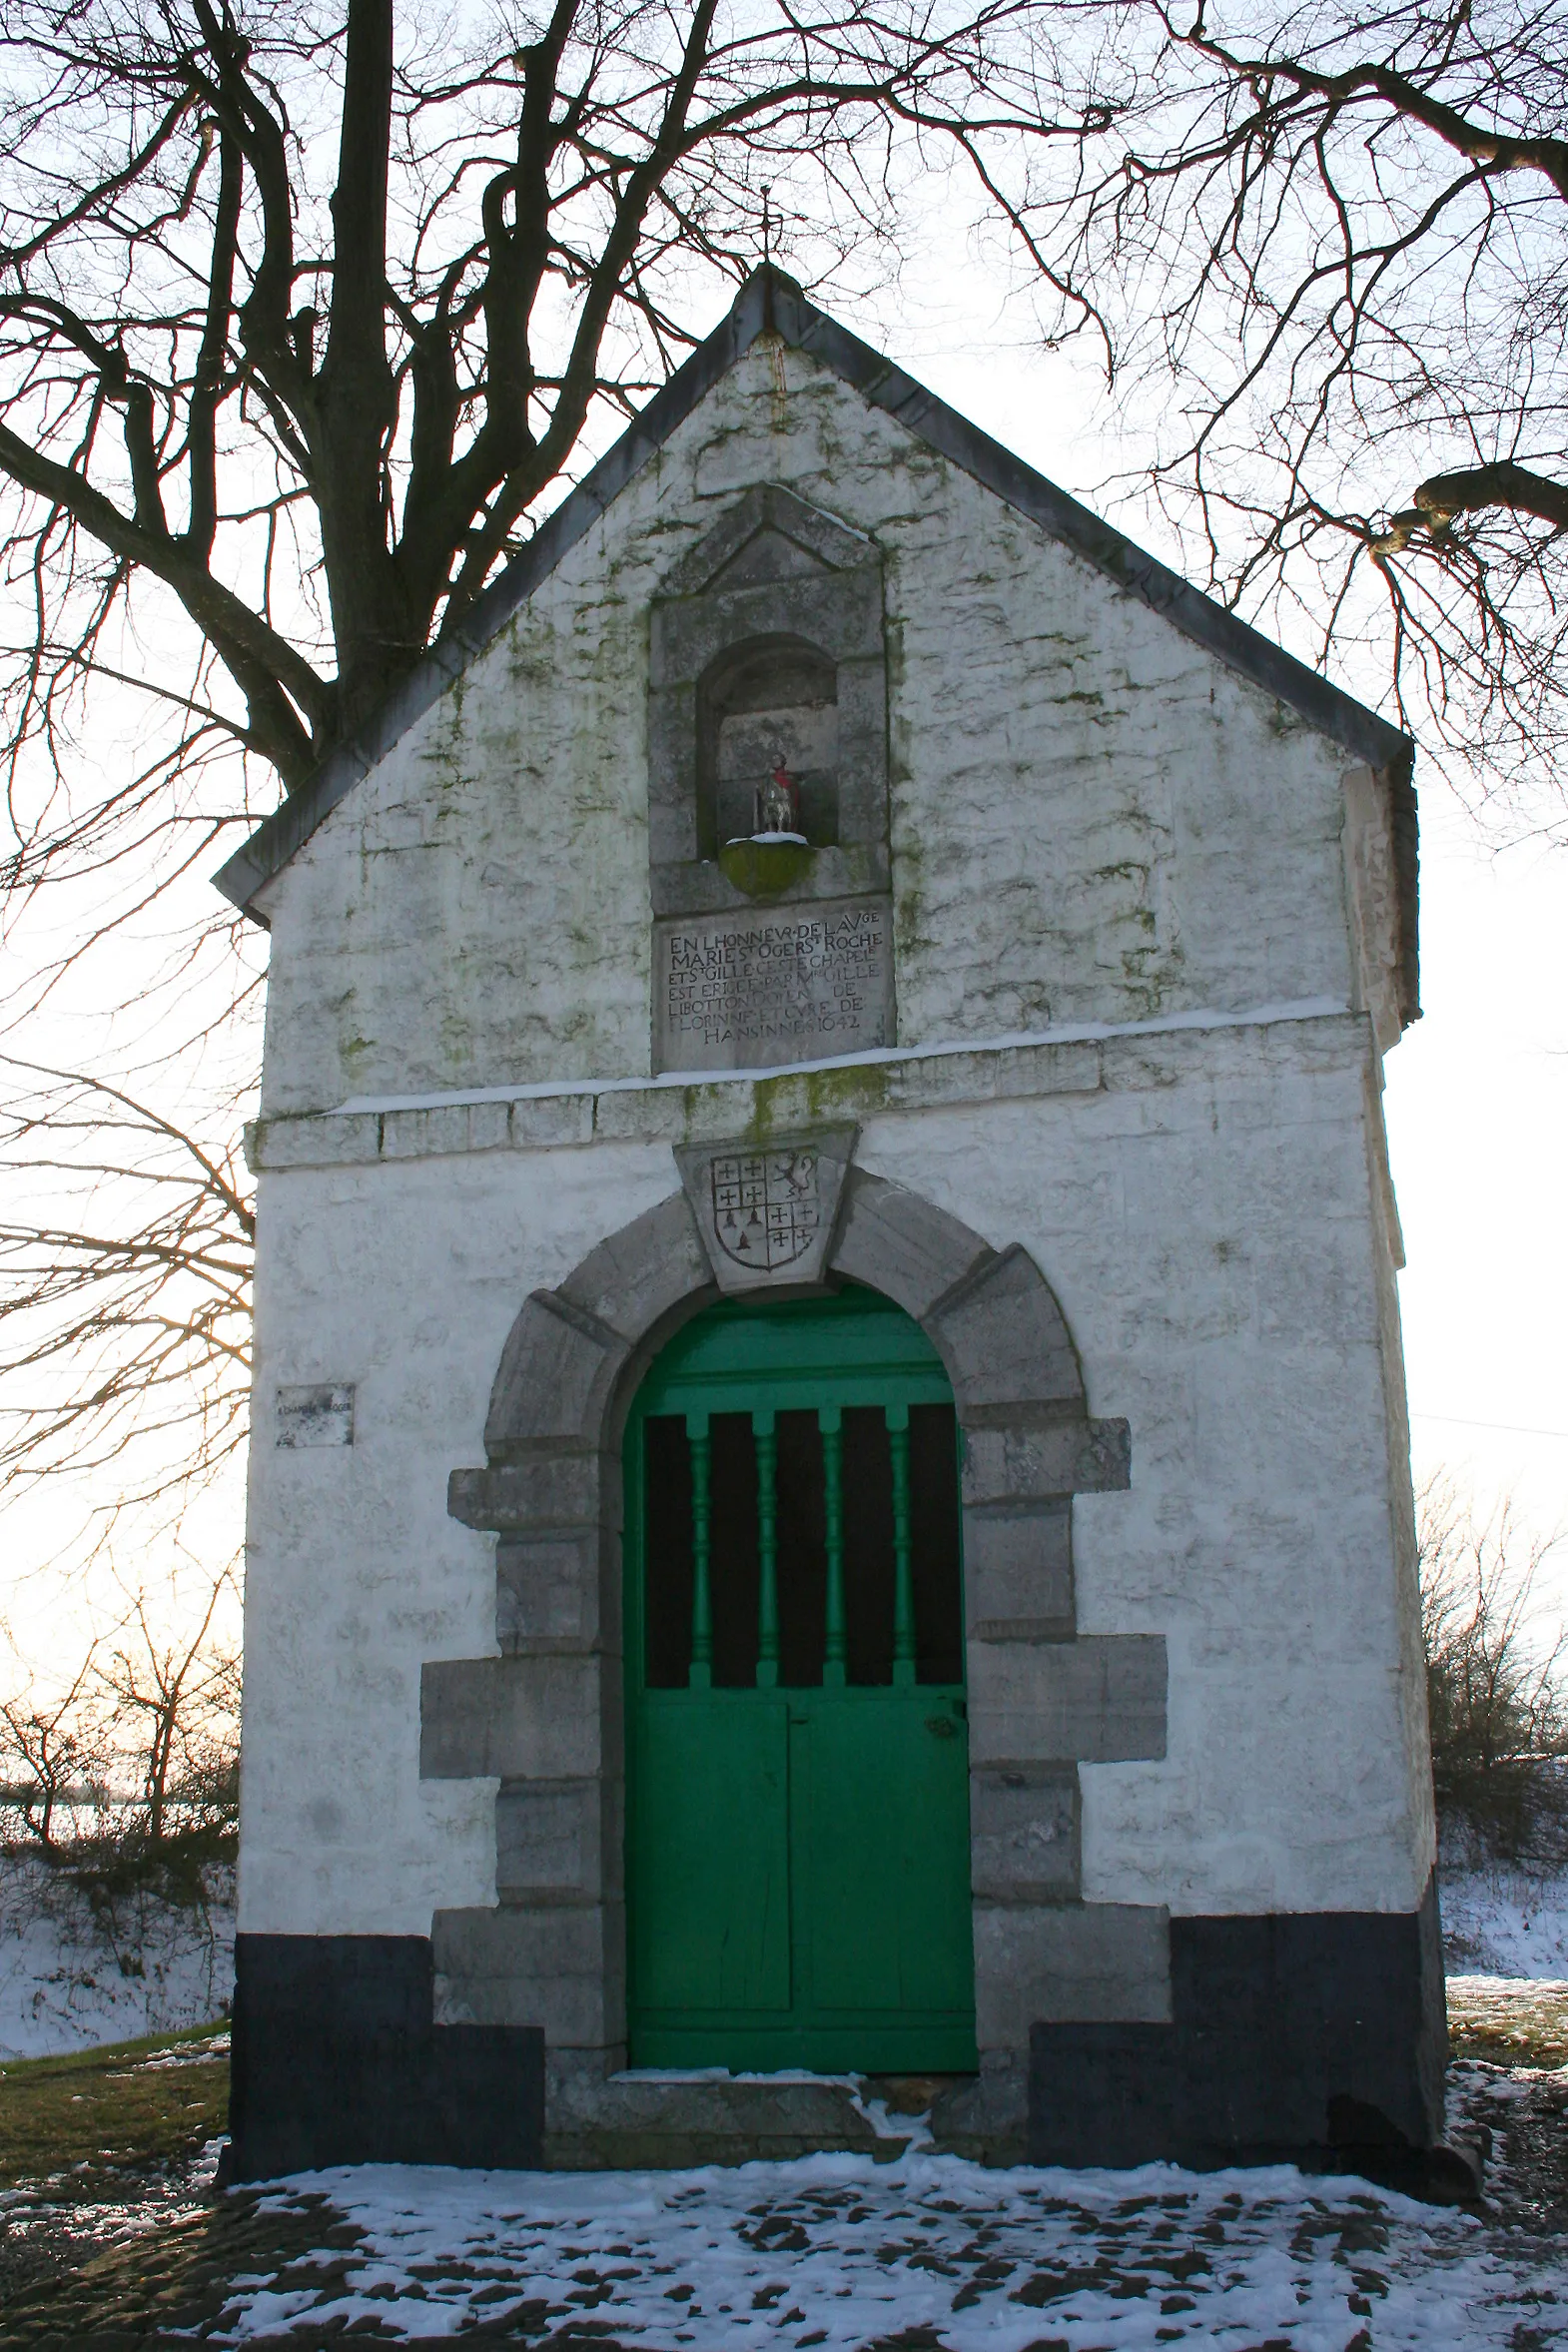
(1039, 1456)
(454, 1126)
(985, 2117)
(560, 1966)
(552, 1590)
(1098, 1700)
(314, 1139)
(1067, 1963)
(518, 1718)
(1017, 1569)
(840, 613)
(557, 1841)
(1002, 1337)
(639, 1274)
(1024, 1834)
(547, 1487)
(894, 1241)
(556, 1373)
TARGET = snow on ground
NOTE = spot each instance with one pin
(70, 1978)
(840, 2252)
(1505, 1922)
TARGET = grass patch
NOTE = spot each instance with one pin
(1508, 2022)
(104, 2111)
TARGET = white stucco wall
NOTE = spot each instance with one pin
(1206, 1205)
(1092, 818)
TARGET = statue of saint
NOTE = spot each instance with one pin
(778, 809)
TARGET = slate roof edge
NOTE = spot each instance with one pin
(770, 301)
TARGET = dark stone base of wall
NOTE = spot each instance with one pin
(1314, 2038)
(336, 2060)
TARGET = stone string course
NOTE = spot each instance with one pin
(740, 1104)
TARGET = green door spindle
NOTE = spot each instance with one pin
(767, 1551)
(903, 1581)
(700, 1677)
(830, 1421)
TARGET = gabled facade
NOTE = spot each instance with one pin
(830, 1492)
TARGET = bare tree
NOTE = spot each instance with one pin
(54, 1751)
(307, 314)
(176, 1697)
(129, 1312)
(305, 317)
(128, 1770)
(1325, 252)
(1495, 1688)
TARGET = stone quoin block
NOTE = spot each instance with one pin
(1017, 1569)
(1030, 1456)
(552, 1590)
(557, 1841)
(1098, 1700)
(517, 1717)
(1043, 1963)
(1024, 1833)
(562, 1965)
(549, 1487)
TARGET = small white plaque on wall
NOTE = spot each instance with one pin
(323, 1416)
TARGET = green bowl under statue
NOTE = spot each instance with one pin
(763, 864)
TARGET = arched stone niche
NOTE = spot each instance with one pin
(766, 703)
(543, 1715)
(766, 649)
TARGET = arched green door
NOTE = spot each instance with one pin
(797, 1835)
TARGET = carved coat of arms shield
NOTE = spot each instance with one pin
(766, 1210)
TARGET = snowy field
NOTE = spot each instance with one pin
(71, 1978)
(1505, 1921)
(927, 2254)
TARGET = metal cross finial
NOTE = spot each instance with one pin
(767, 224)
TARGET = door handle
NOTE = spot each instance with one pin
(942, 1727)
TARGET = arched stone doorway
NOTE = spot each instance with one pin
(546, 1717)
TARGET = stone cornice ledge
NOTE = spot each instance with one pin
(695, 1105)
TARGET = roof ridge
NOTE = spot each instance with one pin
(771, 303)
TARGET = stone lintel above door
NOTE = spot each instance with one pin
(767, 1212)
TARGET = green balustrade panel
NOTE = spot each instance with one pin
(798, 1794)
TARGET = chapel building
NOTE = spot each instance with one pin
(830, 1488)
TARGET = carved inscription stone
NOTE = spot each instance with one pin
(792, 983)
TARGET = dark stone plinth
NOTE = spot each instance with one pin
(1318, 2037)
(336, 2060)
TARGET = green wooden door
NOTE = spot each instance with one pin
(797, 1838)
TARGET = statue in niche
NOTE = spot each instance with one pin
(767, 748)
(777, 812)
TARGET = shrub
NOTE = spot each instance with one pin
(1494, 1684)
